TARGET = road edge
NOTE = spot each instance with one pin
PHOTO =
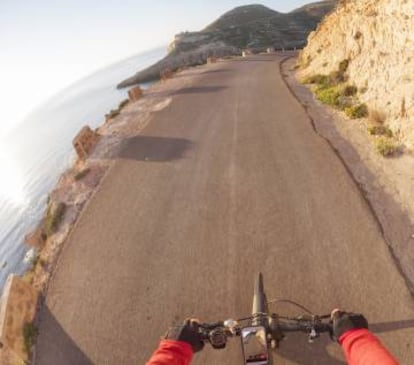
(367, 189)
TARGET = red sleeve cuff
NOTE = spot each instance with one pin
(353, 333)
(183, 347)
(362, 347)
(171, 352)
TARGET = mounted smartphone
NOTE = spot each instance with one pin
(254, 344)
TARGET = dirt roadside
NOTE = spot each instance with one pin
(386, 183)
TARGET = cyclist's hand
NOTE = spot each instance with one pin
(187, 332)
(343, 322)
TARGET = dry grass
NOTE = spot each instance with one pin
(377, 117)
(380, 130)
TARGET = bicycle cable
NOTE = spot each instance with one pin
(276, 301)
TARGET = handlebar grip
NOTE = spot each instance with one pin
(303, 326)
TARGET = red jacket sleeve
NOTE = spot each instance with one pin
(363, 348)
(172, 353)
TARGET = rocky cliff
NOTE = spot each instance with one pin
(253, 26)
(376, 39)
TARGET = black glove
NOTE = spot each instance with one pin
(187, 332)
(344, 322)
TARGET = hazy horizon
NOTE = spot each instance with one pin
(49, 46)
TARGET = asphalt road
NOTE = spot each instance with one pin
(228, 180)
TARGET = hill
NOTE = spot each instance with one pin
(253, 26)
(375, 39)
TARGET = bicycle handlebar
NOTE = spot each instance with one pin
(302, 325)
(217, 333)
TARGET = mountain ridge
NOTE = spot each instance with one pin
(252, 26)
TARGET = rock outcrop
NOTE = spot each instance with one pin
(376, 37)
(254, 26)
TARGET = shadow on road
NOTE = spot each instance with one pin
(199, 90)
(249, 59)
(391, 326)
(158, 149)
(222, 70)
(55, 346)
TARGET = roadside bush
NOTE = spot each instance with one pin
(54, 216)
(357, 111)
(380, 130)
(30, 333)
(385, 146)
(321, 80)
(329, 95)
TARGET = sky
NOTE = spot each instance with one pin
(46, 45)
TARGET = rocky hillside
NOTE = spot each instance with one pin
(254, 26)
(376, 40)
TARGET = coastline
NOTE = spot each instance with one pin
(81, 181)
(39, 150)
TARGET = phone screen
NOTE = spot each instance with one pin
(254, 345)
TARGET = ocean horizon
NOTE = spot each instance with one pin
(38, 150)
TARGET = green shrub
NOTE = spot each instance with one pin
(357, 111)
(54, 216)
(30, 333)
(321, 80)
(329, 95)
(385, 146)
(380, 130)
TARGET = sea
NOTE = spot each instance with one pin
(38, 150)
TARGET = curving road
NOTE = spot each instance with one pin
(228, 180)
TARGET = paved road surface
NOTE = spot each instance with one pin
(228, 180)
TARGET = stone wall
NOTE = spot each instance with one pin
(135, 93)
(84, 142)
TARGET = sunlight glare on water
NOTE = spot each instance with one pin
(11, 180)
